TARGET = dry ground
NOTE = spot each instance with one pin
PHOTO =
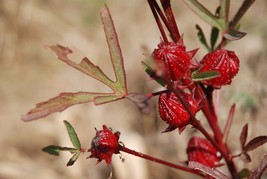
(31, 74)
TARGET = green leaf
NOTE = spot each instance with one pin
(213, 37)
(59, 103)
(201, 37)
(115, 50)
(73, 159)
(244, 173)
(73, 136)
(55, 150)
(205, 14)
(150, 72)
(233, 34)
(196, 76)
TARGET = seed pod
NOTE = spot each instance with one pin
(173, 112)
(225, 62)
(202, 151)
(104, 145)
(172, 61)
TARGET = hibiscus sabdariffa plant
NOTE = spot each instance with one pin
(189, 86)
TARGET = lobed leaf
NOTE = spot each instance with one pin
(73, 159)
(255, 143)
(55, 150)
(245, 157)
(73, 135)
(210, 171)
(243, 136)
(201, 37)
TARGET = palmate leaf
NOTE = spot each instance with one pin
(65, 100)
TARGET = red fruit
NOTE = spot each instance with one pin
(104, 145)
(173, 112)
(172, 61)
(202, 151)
(225, 62)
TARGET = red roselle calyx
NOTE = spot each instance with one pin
(225, 62)
(172, 61)
(104, 145)
(173, 112)
(202, 151)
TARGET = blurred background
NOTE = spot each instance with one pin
(29, 74)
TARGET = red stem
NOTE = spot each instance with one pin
(152, 7)
(163, 162)
(169, 14)
(220, 146)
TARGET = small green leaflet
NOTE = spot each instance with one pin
(55, 150)
(196, 76)
(73, 136)
(150, 72)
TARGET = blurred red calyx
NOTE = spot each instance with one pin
(202, 151)
(104, 145)
(172, 60)
(225, 62)
(173, 112)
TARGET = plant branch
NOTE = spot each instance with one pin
(163, 162)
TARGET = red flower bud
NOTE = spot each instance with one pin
(225, 62)
(173, 112)
(104, 145)
(172, 61)
(202, 151)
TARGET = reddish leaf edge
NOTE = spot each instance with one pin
(44, 109)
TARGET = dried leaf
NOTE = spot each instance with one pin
(73, 135)
(256, 174)
(73, 159)
(55, 150)
(243, 136)
(210, 171)
(255, 143)
(142, 101)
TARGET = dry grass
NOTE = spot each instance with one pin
(30, 74)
